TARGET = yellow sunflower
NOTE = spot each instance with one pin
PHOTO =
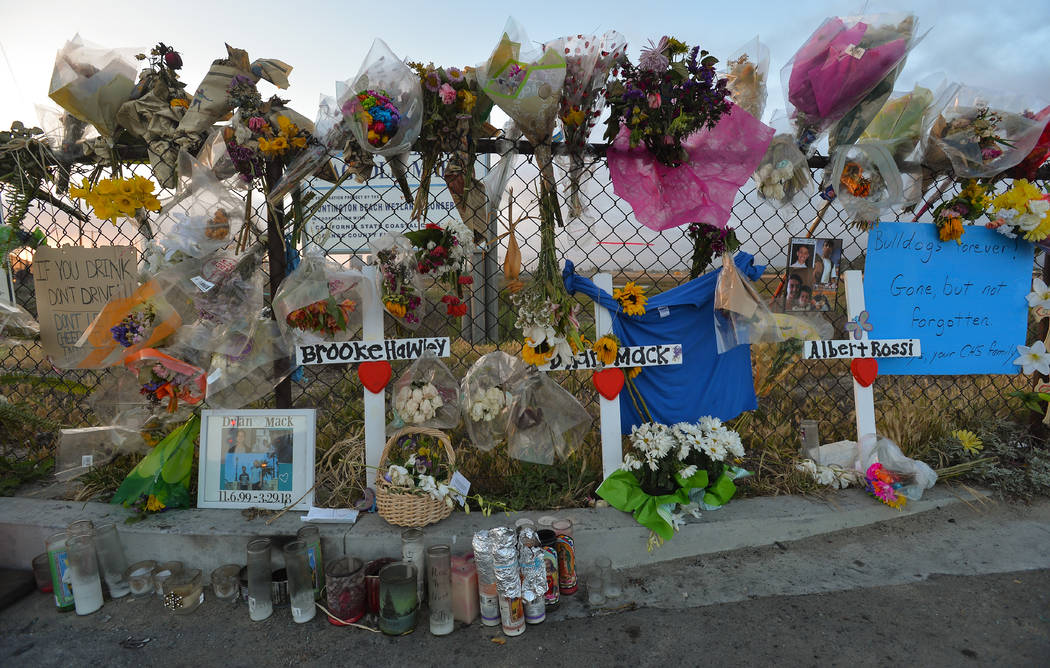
(632, 298)
(536, 356)
(605, 349)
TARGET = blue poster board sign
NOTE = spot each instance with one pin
(965, 302)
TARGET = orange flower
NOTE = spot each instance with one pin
(950, 227)
(395, 309)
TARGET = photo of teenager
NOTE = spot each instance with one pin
(811, 277)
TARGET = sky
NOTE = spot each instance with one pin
(1000, 47)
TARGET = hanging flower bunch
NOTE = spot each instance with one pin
(970, 204)
(132, 329)
(489, 404)
(605, 348)
(671, 93)
(376, 113)
(252, 138)
(117, 197)
(632, 298)
(326, 316)
(1023, 211)
(397, 271)
(418, 402)
(445, 252)
(884, 484)
(550, 327)
(165, 378)
(973, 135)
(710, 242)
(454, 112)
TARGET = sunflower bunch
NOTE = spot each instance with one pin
(632, 298)
(117, 197)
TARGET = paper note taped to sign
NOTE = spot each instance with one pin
(351, 352)
(849, 349)
(73, 284)
(965, 301)
(626, 356)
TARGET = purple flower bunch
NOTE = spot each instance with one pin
(132, 329)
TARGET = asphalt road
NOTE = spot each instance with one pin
(956, 586)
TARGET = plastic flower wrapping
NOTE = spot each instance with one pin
(165, 380)
(212, 101)
(891, 476)
(1027, 168)
(329, 137)
(672, 469)
(426, 395)
(454, 116)
(205, 217)
(157, 106)
(782, 177)
(321, 301)
(92, 82)
(383, 105)
(702, 188)
(485, 398)
(162, 479)
(251, 366)
(980, 133)
(445, 254)
(899, 123)
(741, 315)
(546, 421)
(589, 60)
(840, 64)
(1022, 211)
(17, 325)
(866, 180)
(747, 71)
(398, 281)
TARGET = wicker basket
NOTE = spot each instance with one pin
(411, 510)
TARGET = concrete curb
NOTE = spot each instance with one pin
(207, 539)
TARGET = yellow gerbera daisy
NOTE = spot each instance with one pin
(968, 440)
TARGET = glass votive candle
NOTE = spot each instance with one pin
(184, 591)
(42, 573)
(162, 572)
(83, 574)
(398, 599)
(279, 588)
(225, 582)
(111, 560)
(80, 528)
(139, 576)
(345, 585)
(595, 591)
(372, 569)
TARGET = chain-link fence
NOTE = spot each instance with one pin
(605, 238)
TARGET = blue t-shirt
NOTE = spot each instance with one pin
(706, 383)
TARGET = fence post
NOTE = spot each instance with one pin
(278, 266)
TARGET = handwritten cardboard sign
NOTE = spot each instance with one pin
(626, 356)
(849, 349)
(350, 352)
(966, 302)
(72, 286)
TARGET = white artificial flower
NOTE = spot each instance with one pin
(1040, 295)
(1033, 358)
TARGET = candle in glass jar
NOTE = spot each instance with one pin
(398, 600)
(140, 577)
(464, 589)
(566, 557)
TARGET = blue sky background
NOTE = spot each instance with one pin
(975, 42)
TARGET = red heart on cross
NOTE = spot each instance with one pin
(374, 375)
(865, 370)
(608, 382)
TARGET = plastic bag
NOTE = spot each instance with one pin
(588, 61)
(211, 102)
(899, 122)
(545, 420)
(980, 133)
(91, 82)
(202, 219)
(383, 105)
(916, 476)
(702, 189)
(70, 138)
(17, 325)
(426, 395)
(783, 177)
(747, 71)
(485, 400)
(80, 450)
(840, 63)
(237, 379)
(397, 278)
(167, 380)
(865, 179)
(1027, 168)
(321, 301)
(741, 315)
